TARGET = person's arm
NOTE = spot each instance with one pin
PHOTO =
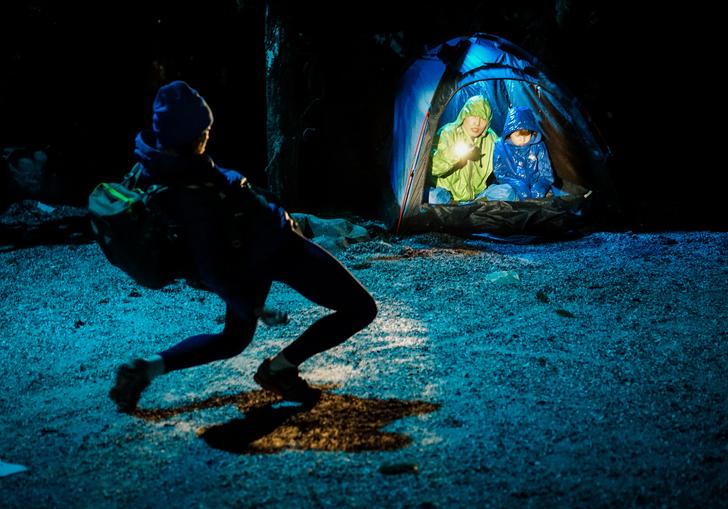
(200, 215)
(233, 177)
(504, 173)
(544, 177)
(518, 185)
(445, 160)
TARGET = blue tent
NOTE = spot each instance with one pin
(432, 91)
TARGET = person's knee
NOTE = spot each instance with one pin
(234, 347)
(438, 195)
(236, 339)
(365, 310)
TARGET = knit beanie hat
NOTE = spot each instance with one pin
(180, 116)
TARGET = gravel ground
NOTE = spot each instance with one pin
(588, 373)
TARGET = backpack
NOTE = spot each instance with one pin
(134, 235)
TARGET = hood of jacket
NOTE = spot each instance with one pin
(521, 118)
(476, 106)
(168, 169)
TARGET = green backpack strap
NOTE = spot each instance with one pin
(131, 179)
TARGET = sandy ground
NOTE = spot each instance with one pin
(588, 373)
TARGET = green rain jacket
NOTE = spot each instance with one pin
(464, 179)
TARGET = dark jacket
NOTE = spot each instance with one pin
(229, 234)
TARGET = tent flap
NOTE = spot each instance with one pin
(552, 217)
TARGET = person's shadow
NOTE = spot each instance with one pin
(334, 423)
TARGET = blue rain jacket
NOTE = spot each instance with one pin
(527, 169)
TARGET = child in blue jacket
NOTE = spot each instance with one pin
(521, 158)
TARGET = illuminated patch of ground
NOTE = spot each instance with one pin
(334, 423)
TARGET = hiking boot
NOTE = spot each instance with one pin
(131, 380)
(285, 382)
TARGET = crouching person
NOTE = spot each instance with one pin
(172, 153)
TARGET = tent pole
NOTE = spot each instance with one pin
(411, 170)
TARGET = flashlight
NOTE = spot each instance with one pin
(461, 149)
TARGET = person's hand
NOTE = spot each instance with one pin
(474, 153)
(466, 152)
(293, 224)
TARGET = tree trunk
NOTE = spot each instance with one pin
(282, 145)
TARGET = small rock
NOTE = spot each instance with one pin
(399, 468)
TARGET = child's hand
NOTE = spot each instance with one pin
(467, 152)
(474, 153)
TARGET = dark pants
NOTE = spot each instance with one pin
(311, 271)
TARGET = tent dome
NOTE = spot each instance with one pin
(435, 87)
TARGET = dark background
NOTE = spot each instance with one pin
(78, 81)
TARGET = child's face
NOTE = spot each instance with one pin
(521, 137)
(474, 126)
